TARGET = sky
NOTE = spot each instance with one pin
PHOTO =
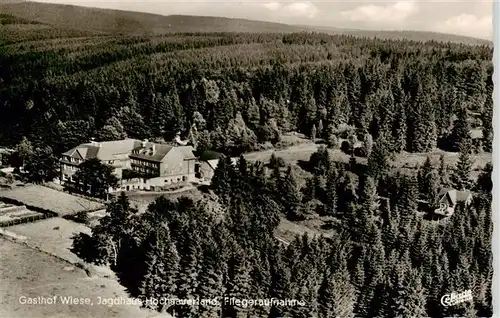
(470, 17)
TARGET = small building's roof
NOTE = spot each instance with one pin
(213, 163)
(463, 195)
(455, 195)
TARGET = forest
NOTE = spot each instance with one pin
(253, 87)
(384, 261)
(241, 92)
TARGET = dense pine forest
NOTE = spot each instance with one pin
(59, 92)
(384, 261)
(238, 92)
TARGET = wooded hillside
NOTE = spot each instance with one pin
(62, 87)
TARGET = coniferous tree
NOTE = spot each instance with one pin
(331, 194)
(336, 295)
(443, 171)
(410, 297)
(369, 197)
(280, 287)
(423, 136)
(487, 121)
(400, 131)
(313, 133)
(378, 161)
(187, 280)
(239, 281)
(223, 178)
(367, 145)
(162, 261)
(209, 280)
(461, 174)
(291, 195)
(428, 182)
(461, 130)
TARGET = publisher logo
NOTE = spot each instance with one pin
(456, 298)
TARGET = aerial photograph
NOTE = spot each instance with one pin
(246, 159)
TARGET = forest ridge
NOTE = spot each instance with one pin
(128, 22)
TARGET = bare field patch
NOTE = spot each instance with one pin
(31, 273)
(51, 235)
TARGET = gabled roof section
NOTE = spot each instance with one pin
(187, 152)
(151, 152)
(106, 150)
(463, 196)
(213, 163)
(81, 152)
(455, 195)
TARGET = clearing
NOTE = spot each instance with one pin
(303, 151)
(288, 230)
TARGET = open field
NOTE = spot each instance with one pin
(51, 235)
(31, 273)
(46, 199)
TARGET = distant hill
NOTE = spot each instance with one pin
(137, 23)
(127, 22)
(408, 35)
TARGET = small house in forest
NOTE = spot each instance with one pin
(450, 198)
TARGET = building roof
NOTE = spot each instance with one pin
(213, 163)
(151, 151)
(187, 152)
(109, 150)
(106, 150)
(456, 195)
